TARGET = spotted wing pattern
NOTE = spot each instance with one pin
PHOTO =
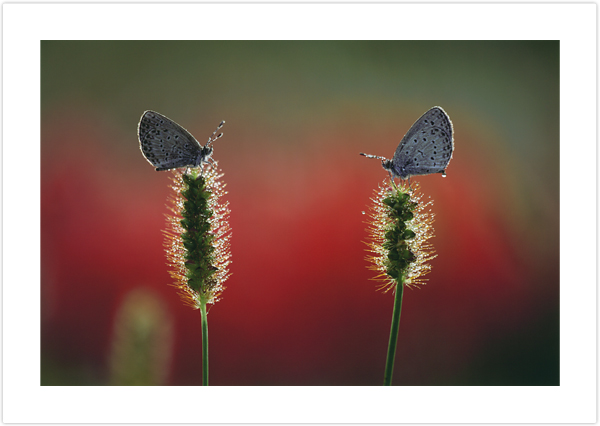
(427, 147)
(165, 144)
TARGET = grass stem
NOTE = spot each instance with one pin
(391, 354)
(204, 343)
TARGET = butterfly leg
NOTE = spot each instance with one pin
(208, 161)
(211, 162)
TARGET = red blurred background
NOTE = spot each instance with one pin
(300, 308)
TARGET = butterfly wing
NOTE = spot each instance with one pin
(427, 147)
(165, 144)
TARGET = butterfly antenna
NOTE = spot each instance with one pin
(213, 138)
(373, 156)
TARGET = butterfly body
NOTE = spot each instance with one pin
(167, 145)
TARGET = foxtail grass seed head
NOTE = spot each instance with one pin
(400, 226)
(197, 238)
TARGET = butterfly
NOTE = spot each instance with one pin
(426, 148)
(166, 145)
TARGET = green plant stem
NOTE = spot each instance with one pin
(204, 343)
(389, 364)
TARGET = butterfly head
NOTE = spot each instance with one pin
(389, 166)
(204, 155)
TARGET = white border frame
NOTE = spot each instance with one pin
(24, 25)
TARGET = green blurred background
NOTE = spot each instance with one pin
(299, 308)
